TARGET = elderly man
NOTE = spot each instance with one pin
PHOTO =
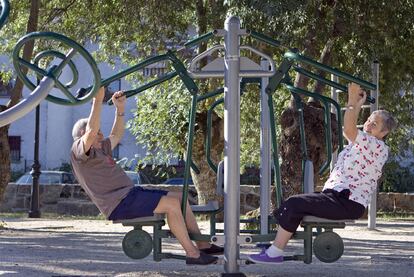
(351, 183)
(114, 193)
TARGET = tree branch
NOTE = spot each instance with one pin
(57, 12)
(27, 52)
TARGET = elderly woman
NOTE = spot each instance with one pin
(351, 183)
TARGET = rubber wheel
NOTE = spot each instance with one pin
(328, 247)
(137, 244)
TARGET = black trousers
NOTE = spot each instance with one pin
(328, 204)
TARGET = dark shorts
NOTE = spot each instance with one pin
(329, 204)
(139, 202)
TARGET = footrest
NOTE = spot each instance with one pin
(211, 206)
(134, 221)
(314, 219)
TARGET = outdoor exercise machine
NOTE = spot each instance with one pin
(138, 243)
(328, 246)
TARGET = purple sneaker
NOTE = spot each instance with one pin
(263, 258)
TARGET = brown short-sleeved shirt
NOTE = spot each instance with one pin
(104, 181)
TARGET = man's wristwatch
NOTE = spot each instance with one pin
(350, 107)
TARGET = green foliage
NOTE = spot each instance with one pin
(160, 121)
(361, 31)
(396, 178)
(129, 30)
(250, 122)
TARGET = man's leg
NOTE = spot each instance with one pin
(190, 220)
(172, 207)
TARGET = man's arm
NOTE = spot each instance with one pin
(94, 120)
(356, 98)
(118, 128)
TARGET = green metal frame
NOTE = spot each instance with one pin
(306, 235)
(5, 11)
(208, 135)
(327, 124)
(274, 82)
(219, 91)
(296, 56)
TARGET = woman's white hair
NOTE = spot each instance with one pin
(389, 122)
(79, 126)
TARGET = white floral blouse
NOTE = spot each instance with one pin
(359, 167)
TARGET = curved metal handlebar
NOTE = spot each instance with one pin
(55, 70)
(264, 38)
(320, 66)
(200, 39)
(135, 68)
(220, 73)
(5, 10)
(179, 70)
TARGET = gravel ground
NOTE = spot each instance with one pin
(50, 247)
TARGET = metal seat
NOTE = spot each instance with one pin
(314, 219)
(140, 220)
(211, 206)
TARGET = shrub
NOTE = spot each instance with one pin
(396, 178)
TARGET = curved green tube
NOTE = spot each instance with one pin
(55, 71)
(5, 11)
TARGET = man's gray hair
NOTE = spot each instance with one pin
(389, 123)
(79, 126)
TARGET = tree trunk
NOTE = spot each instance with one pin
(290, 147)
(205, 182)
(5, 168)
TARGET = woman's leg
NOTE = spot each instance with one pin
(282, 238)
(330, 204)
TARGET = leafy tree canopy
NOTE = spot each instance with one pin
(360, 32)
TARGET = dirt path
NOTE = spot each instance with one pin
(44, 247)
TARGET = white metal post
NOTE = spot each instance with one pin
(335, 97)
(231, 144)
(265, 153)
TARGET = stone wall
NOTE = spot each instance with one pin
(72, 200)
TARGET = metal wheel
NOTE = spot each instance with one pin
(137, 244)
(328, 247)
